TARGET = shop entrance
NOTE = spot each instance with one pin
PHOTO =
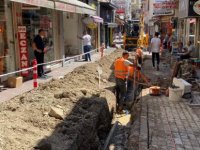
(35, 18)
(3, 39)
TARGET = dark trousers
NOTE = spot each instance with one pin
(130, 91)
(157, 57)
(86, 49)
(40, 59)
(120, 91)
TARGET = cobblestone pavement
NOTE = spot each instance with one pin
(164, 125)
(9, 93)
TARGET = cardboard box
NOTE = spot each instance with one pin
(14, 82)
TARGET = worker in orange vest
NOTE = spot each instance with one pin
(134, 75)
(138, 57)
(121, 73)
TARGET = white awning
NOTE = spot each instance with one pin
(40, 3)
(62, 5)
(80, 7)
(93, 19)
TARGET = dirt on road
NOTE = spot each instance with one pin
(87, 111)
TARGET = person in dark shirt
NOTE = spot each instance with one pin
(38, 47)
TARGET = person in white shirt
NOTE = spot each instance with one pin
(155, 49)
(86, 45)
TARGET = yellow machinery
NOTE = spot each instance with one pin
(131, 34)
(143, 38)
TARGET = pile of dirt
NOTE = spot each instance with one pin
(86, 111)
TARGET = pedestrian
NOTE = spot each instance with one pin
(138, 57)
(187, 51)
(102, 49)
(39, 50)
(121, 72)
(180, 47)
(165, 41)
(155, 49)
(86, 45)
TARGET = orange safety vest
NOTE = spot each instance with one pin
(121, 70)
(131, 71)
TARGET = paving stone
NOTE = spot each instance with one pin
(171, 123)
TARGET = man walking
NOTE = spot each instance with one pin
(155, 49)
(121, 72)
(86, 45)
(38, 47)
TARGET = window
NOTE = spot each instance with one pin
(35, 19)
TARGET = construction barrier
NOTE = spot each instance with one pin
(35, 74)
(63, 61)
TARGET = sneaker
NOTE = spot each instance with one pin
(43, 77)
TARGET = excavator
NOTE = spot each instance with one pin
(131, 34)
(134, 35)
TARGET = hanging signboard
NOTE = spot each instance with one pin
(165, 5)
(163, 12)
(23, 49)
(194, 8)
(121, 6)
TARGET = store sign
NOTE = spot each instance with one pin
(163, 12)
(65, 7)
(165, 5)
(194, 8)
(41, 3)
(23, 49)
(121, 6)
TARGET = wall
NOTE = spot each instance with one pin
(72, 28)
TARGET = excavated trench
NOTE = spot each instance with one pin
(86, 112)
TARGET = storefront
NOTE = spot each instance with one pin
(3, 39)
(7, 56)
(107, 13)
(24, 19)
(189, 23)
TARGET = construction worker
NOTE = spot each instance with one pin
(134, 77)
(121, 73)
(138, 57)
(130, 89)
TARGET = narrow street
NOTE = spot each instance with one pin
(99, 74)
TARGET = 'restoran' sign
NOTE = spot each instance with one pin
(23, 49)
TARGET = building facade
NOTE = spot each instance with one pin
(20, 21)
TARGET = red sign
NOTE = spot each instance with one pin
(23, 49)
(120, 11)
(165, 5)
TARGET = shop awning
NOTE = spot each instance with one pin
(62, 5)
(75, 6)
(97, 19)
(93, 19)
(40, 3)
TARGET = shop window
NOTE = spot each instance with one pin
(3, 40)
(35, 19)
(192, 30)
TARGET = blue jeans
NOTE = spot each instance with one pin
(86, 49)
